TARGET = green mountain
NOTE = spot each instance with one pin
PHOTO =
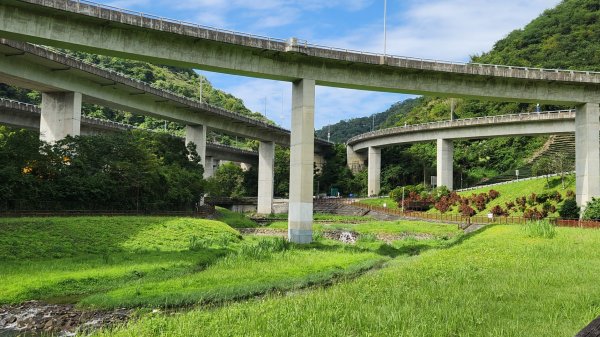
(343, 130)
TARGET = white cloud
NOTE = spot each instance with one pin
(444, 29)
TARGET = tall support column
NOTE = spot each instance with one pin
(354, 160)
(197, 134)
(266, 163)
(301, 161)
(209, 167)
(61, 115)
(374, 171)
(587, 154)
(445, 157)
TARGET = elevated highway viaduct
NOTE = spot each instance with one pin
(367, 147)
(85, 26)
(27, 116)
(66, 82)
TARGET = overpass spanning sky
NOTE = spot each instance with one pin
(441, 29)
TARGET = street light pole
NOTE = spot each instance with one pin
(384, 28)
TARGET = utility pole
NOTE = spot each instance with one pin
(201, 86)
(452, 109)
(328, 132)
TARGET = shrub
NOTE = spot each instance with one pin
(592, 210)
(531, 201)
(498, 211)
(466, 210)
(570, 194)
(396, 194)
(540, 229)
(480, 202)
(509, 205)
(440, 192)
(521, 201)
(556, 196)
(546, 206)
(552, 209)
(533, 214)
(543, 197)
(569, 209)
(443, 204)
(494, 194)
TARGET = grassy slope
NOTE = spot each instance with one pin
(151, 260)
(508, 192)
(497, 283)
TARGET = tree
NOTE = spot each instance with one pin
(592, 209)
(227, 181)
(569, 209)
(544, 166)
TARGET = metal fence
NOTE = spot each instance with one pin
(475, 220)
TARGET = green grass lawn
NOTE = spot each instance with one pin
(498, 282)
(112, 262)
(386, 227)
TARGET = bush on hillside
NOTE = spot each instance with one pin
(494, 194)
(443, 204)
(592, 210)
(569, 209)
(466, 210)
(498, 211)
(533, 214)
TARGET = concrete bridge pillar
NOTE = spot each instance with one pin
(266, 163)
(209, 167)
(301, 161)
(587, 154)
(445, 154)
(197, 134)
(61, 115)
(355, 160)
(374, 171)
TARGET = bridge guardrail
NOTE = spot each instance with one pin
(508, 118)
(157, 22)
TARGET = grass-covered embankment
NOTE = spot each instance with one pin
(500, 282)
(112, 262)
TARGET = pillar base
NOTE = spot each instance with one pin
(301, 236)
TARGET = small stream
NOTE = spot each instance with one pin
(35, 318)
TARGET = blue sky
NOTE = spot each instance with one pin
(438, 29)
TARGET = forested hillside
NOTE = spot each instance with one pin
(345, 129)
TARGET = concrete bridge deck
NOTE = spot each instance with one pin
(367, 147)
(37, 68)
(23, 115)
(522, 124)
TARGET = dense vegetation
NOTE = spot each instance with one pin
(125, 171)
